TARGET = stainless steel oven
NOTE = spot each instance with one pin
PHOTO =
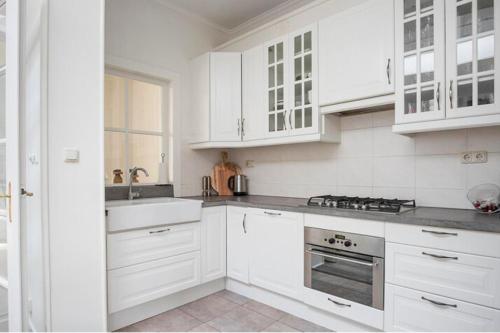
(345, 265)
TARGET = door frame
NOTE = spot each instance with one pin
(13, 165)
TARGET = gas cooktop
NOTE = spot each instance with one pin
(391, 206)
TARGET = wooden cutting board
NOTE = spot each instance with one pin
(221, 173)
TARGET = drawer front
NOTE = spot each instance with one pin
(461, 276)
(411, 310)
(473, 242)
(138, 246)
(138, 284)
(360, 313)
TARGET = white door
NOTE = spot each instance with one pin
(9, 174)
(275, 261)
(237, 244)
(302, 116)
(253, 107)
(213, 243)
(225, 96)
(420, 60)
(356, 53)
(276, 89)
(473, 54)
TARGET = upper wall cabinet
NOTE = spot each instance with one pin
(216, 82)
(356, 54)
(447, 56)
(254, 110)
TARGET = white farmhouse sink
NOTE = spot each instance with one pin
(141, 213)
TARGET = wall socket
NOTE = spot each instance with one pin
(473, 157)
(250, 163)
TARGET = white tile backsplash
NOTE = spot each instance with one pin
(372, 161)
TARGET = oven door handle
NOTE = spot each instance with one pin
(341, 258)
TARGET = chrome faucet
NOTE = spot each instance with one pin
(133, 172)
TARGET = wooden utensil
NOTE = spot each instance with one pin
(221, 173)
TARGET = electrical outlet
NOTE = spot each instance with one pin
(250, 163)
(473, 157)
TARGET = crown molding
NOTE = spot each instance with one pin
(255, 22)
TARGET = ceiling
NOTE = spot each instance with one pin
(230, 14)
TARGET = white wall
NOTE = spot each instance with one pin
(371, 160)
(149, 33)
(76, 190)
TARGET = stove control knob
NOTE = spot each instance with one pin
(347, 243)
(331, 240)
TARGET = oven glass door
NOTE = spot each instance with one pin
(343, 274)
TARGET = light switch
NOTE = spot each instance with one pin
(71, 155)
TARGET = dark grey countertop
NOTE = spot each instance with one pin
(427, 216)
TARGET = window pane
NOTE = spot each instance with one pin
(486, 90)
(308, 117)
(145, 106)
(272, 123)
(410, 101)
(464, 58)
(427, 66)
(298, 118)
(464, 20)
(427, 31)
(298, 69)
(270, 76)
(410, 36)
(486, 53)
(279, 52)
(307, 66)
(409, 6)
(114, 156)
(307, 41)
(297, 42)
(281, 121)
(280, 101)
(410, 68)
(298, 94)
(485, 15)
(145, 152)
(114, 101)
(280, 75)
(427, 99)
(272, 98)
(426, 5)
(308, 92)
(270, 55)
(464, 95)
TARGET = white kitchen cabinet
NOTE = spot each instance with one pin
(213, 243)
(420, 60)
(238, 244)
(356, 53)
(141, 283)
(138, 246)
(473, 56)
(253, 107)
(456, 275)
(276, 261)
(216, 81)
(412, 310)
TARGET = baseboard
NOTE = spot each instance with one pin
(137, 313)
(297, 308)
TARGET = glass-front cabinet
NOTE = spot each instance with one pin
(420, 60)
(291, 84)
(472, 30)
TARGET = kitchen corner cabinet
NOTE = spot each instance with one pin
(216, 81)
(213, 243)
(237, 244)
(356, 53)
(447, 53)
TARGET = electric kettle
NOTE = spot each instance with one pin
(238, 184)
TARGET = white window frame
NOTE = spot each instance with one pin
(165, 128)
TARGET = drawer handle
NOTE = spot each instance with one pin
(440, 232)
(439, 303)
(272, 214)
(158, 231)
(338, 303)
(438, 256)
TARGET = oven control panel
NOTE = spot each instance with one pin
(340, 240)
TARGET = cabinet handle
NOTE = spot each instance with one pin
(158, 231)
(290, 119)
(438, 95)
(243, 127)
(245, 223)
(338, 303)
(284, 120)
(451, 94)
(239, 127)
(438, 256)
(272, 214)
(388, 70)
(440, 232)
(438, 303)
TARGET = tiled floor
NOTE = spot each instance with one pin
(224, 311)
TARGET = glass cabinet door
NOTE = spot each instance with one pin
(276, 88)
(420, 63)
(301, 117)
(472, 49)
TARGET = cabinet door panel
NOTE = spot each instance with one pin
(225, 96)
(200, 85)
(213, 243)
(237, 244)
(420, 60)
(276, 262)
(254, 109)
(473, 54)
(356, 53)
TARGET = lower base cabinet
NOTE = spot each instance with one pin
(237, 244)
(141, 283)
(412, 310)
(213, 243)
